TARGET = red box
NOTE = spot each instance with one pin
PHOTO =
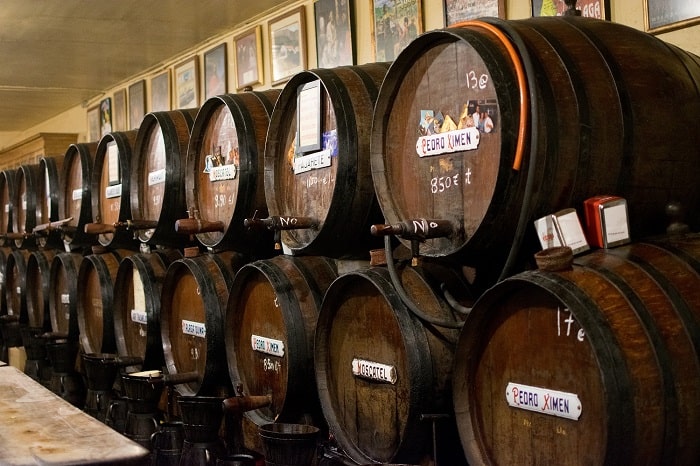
(607, 223)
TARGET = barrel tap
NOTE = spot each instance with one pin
(194, 224)
(415, 230)
(277, 223)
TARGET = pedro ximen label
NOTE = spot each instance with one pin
(543, 400)
(374, 371)
(267, 345)
(196, 329)
(451, 141)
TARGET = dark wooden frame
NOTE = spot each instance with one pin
(93, 123)
(242, 45)
(186, 81)
(665, 15)
(483, 8)
(119, 120)
(344, 33)
(160, 92)
(294, 19)
(137, 103)
(216, 57)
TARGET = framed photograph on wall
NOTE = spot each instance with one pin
(457, 11)
(215, 71)
(287, 45)
(137, 103)
(187, 84)
(105, 116)
(160, 92)
(395, 23)
(334, 22)
(119, 122)
(667, 15)
(248, 52)
(93, 123)
(598, 9)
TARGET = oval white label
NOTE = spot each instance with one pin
(156, 177)
(196, 329)
(267, 345)
(544, 400)
(374, 370)
(113, 191)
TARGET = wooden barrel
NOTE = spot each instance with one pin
(25, 217)
(96, 299)
(8, 186)
(602, 359)
(567, 96)
(270, 322)
(224, 176)
(4, 252)
(15, 284)
(38, 283)
(76, 195)
(63, 297)
(48, 199)
(193, 302)
(332, 190)
(157, 176)
(110, 183)
(379, 368)
(137, 292)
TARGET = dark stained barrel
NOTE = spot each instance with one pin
(324, 175)
(15, 284)
(224, 176)
(76, 195)
(63, 298)
(570, 100)
(194, 294)
(379, 368)
(48, 200)
(25, 217)
(137, 293)
(38, 283)
(157, 176)
(270, 322)
(4, 252)
(110, 186)
(602, 357)
(8, 186)
(96, 300)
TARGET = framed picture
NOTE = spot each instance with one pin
(599, 9)
(395, 23)
(137, 103)
(160, 92)
(667, 15)
(105, 116)
(119, 111)
(248, 50)
(93, 123)
(215, 71)
(334, 46)
(457, 11)
(287, 45)
(187, 84)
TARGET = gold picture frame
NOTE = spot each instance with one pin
(248, 63)
(406, 16)
(215, 71)
(287, 45)
(137, 103)
(119, 122)
(668, 15)
(160, 92)
(187, 84)
(93, 123)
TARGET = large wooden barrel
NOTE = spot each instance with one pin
(15, 284)
(270, 322)
(8, 186)
(601, 360)
(193, 302)
(76, 195)
(224, 176)
(48, 199)
(570, 100)
(158, 176)
(96, 300)
(379, 368)
(63, 298)
(4, 252)
(110, 183)
(38, 283)
(331, 190)
(25, 217)
(137, 293)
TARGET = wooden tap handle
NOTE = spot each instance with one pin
(192, 226)
(241, 404)
(99, 228)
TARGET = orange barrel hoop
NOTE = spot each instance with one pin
(137, 293)
(76, 201)
(157, 176)
(379, 368)
(332, 189)
(224, 176)
(270, 322)
(96, 300)
(63, 297)
(194, 294)
(110, 187)
(586, 132)
(602, 357)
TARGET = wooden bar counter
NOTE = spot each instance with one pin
(39, 428)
